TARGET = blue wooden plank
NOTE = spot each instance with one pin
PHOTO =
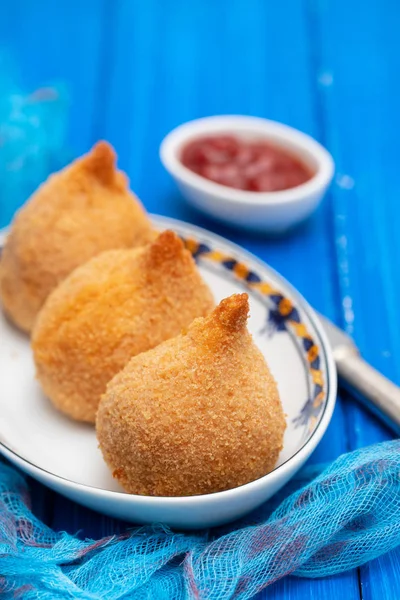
(59, 41)
(184, 60)
(380, 578)
(55, 42)
(41, 501)
(83, 522)
(362, 124)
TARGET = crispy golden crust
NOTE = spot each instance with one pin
(199, 413)
(115, 306)
(77, 213)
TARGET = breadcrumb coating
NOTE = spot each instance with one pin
(115, 306)
(77, 213)
(199, 413)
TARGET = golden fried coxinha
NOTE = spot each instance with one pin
(115, 306)
(199, 413)
(77, 213)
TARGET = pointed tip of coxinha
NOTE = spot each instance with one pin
(232, 313)
(166, 248)
(100, 162)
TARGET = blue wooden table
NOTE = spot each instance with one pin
(137, 68)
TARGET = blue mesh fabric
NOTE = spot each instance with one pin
(336, 519)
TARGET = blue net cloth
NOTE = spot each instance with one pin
(335, 520)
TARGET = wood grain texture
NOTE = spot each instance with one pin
(60, 42)
(137, 69)
(360, 100)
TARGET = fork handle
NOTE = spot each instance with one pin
(380, 395)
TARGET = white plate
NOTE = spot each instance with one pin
(64, 454)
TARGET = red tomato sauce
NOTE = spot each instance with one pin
(256, 166)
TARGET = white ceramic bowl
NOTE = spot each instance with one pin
(272, 212)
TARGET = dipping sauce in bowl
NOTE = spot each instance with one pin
(252, 165)
(248, 172)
